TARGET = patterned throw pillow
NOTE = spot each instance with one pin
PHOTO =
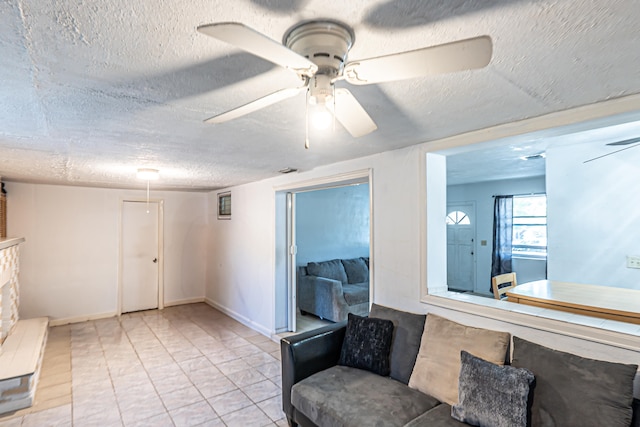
(367, 343)
(491, 395)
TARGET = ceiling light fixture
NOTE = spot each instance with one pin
(321, 119)
(534, 156)
(321, 98)
(288, 170)
(148, 174)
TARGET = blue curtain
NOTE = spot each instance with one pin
(502, 236)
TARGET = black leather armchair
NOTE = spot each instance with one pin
(303, 355)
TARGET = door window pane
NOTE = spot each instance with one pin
(458, 218)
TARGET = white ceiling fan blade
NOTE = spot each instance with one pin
(258, 44)
(351, 114)
(461, 55)
(256, 105)
(636, 144)
(625, 142)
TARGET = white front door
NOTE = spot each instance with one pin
(461, 247)
(140, 256)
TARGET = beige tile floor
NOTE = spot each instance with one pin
(188, 365)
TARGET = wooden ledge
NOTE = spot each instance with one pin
(7, 242)
(21, 350)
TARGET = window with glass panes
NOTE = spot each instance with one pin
(530, 225)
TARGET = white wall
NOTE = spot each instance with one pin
(529, 269)
(593, 216)
(281, 262)
(241, 279)
(240, 274)
(332, 223)
(482, 195)
(240, 254)
(69, 262)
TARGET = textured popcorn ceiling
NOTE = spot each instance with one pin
(92, 90)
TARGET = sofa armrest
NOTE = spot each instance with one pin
(322, 297)
(305, 354)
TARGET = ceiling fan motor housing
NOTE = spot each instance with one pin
(324, 42)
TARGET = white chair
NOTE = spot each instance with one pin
(498, 283)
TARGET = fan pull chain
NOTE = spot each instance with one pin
(334, 107)
(306, 122)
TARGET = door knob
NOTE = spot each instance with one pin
(155, 260)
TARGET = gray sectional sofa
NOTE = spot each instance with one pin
(333, 289)
(538, 386)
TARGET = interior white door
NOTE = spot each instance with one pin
(461, 247)
(140, 256)
(292, 250)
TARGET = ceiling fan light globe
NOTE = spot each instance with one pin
(321, 120)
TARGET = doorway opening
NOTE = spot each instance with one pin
(293, 230)
(141, 260)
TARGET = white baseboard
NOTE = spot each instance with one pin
(78, 319)
(240, 318)
(184, 301)
(234, 315)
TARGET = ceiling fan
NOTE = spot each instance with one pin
(317, 50)
(627, 143)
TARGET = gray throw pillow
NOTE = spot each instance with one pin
(491, 395)
(573, 391)
(366, 344)
(407, 332)
(329, 269)
(357, 271)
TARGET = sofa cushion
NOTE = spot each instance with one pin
(575, 391)
(330, 269)
(343, 396)
(354, 294)
(357, 271)
(438, 363)
(490, 394)
(440, 416)
(407, 331)
(366, 344)
(302, 270)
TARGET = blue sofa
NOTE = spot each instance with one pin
(333, 289)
